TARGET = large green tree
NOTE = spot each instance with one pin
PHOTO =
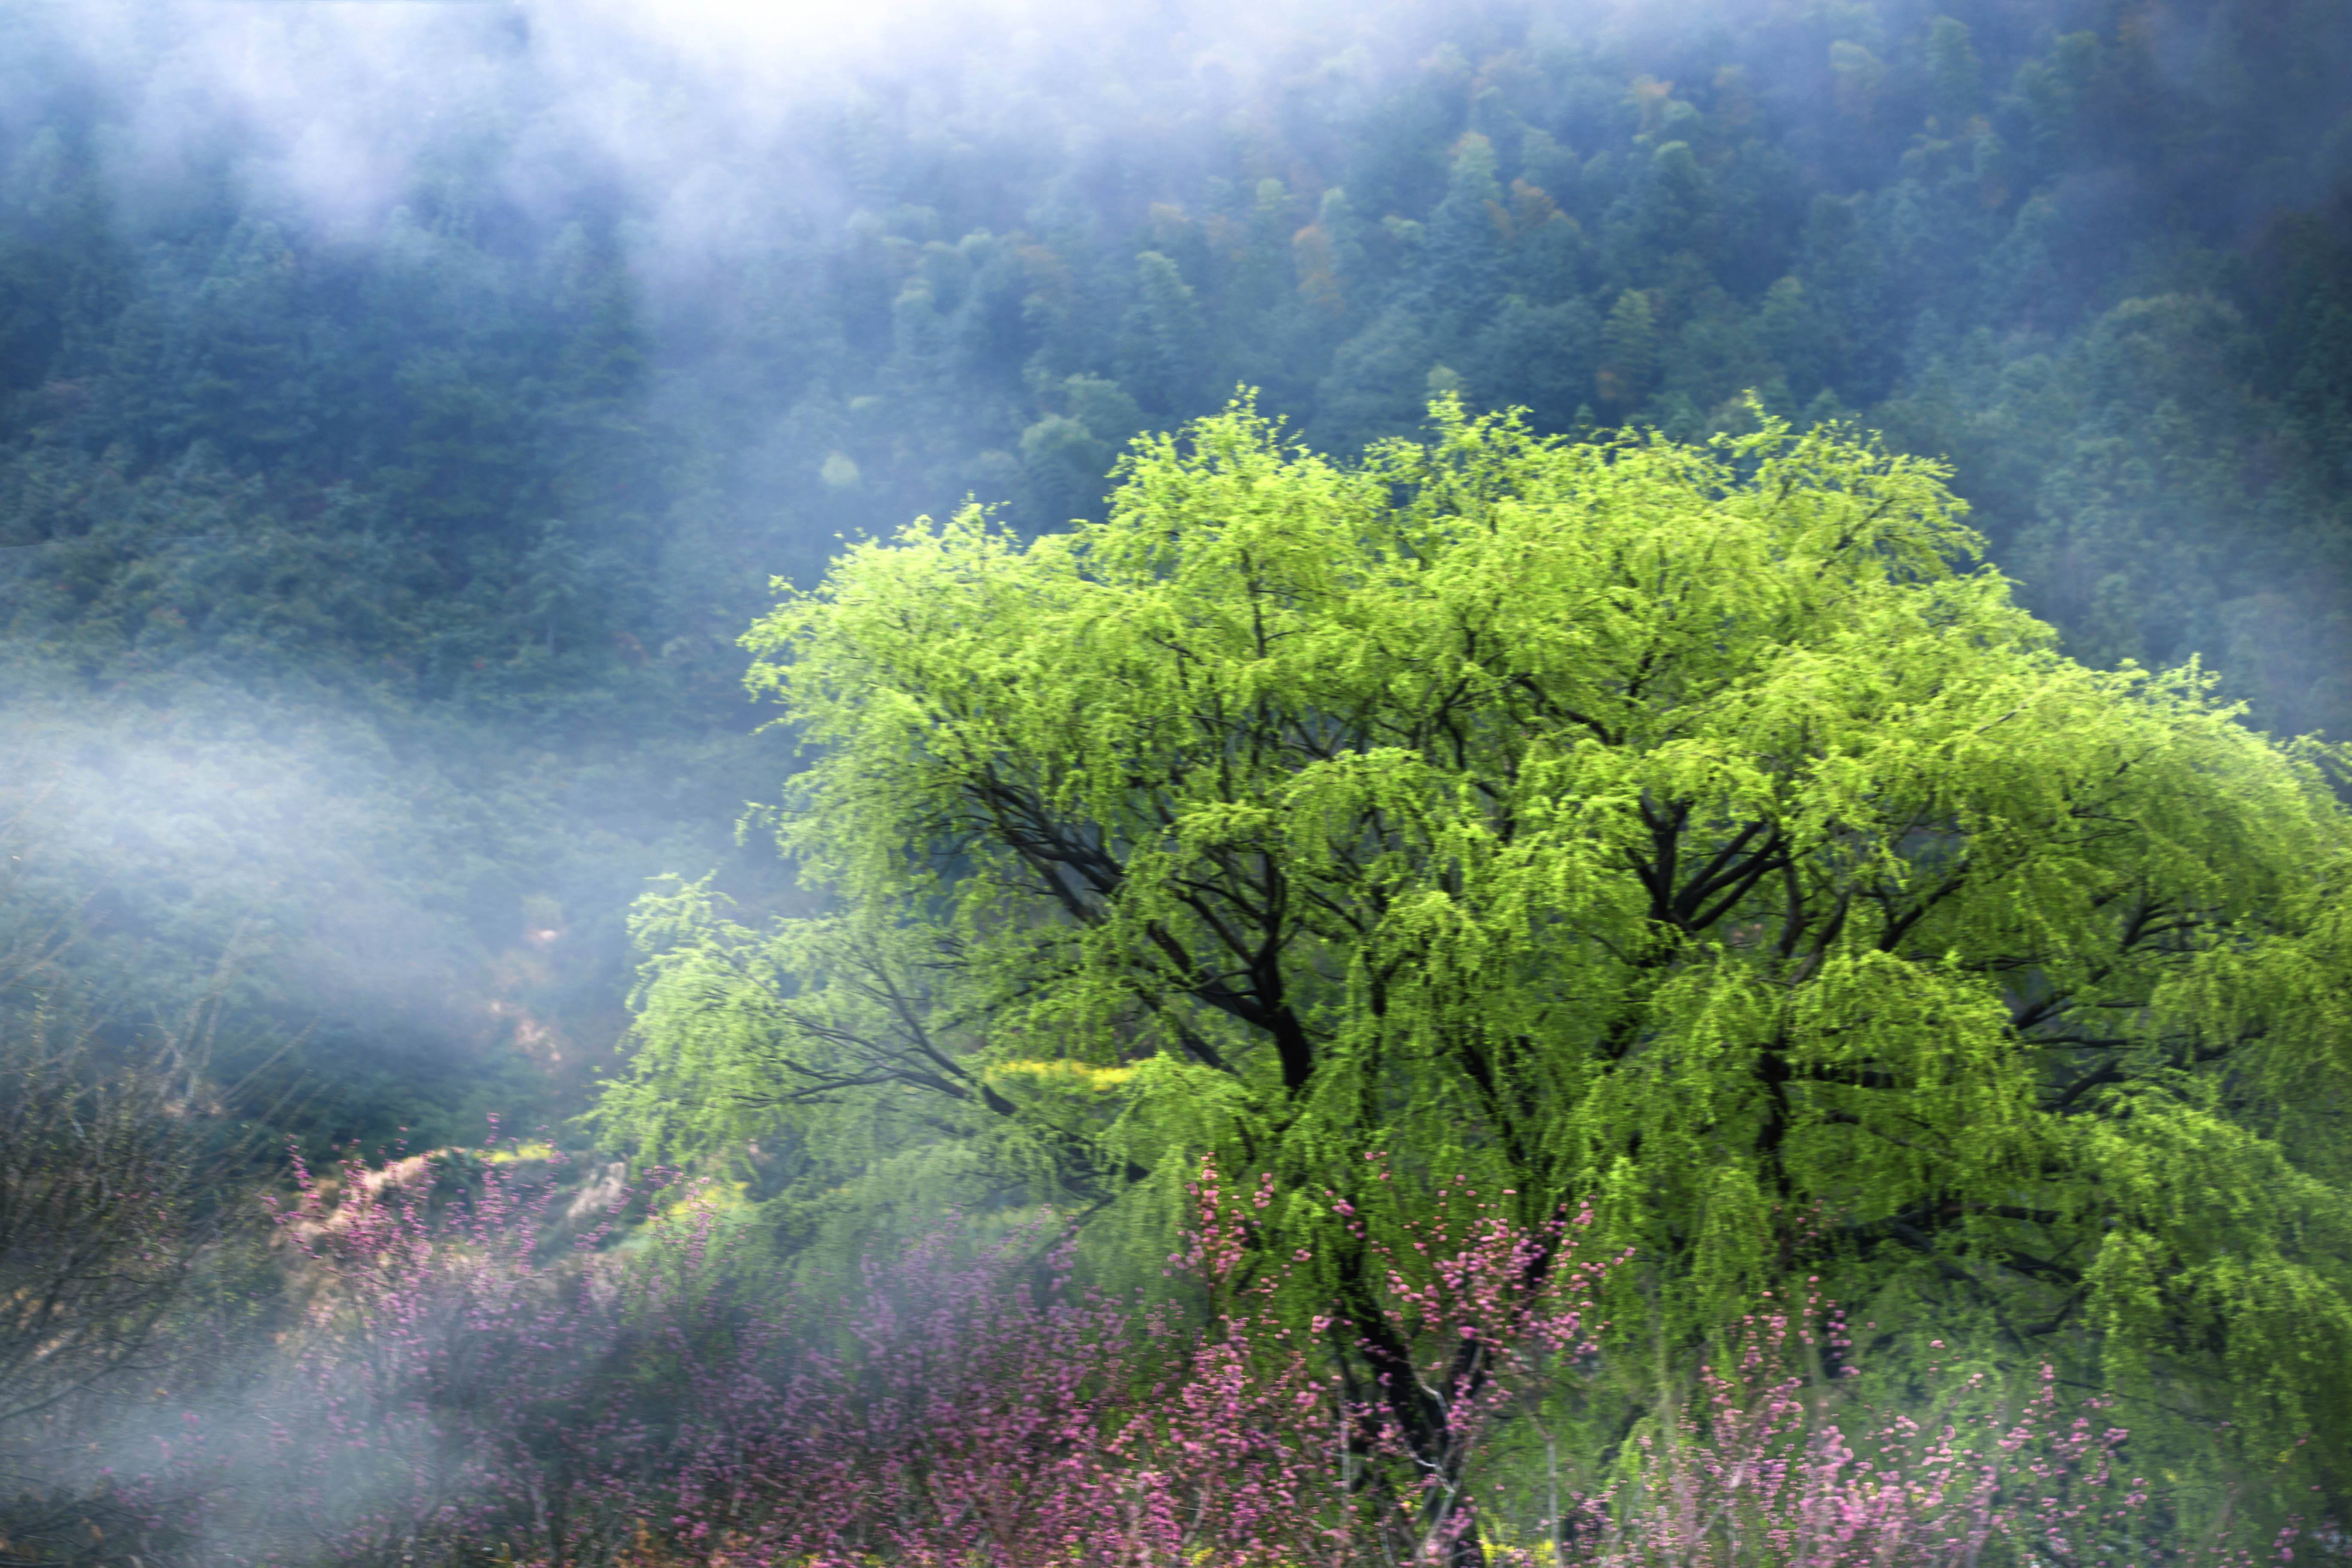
(1690, 827)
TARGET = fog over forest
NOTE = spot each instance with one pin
(408, 404)
(407, 408)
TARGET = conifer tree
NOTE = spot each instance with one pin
(1164, 349)
(1629, 350)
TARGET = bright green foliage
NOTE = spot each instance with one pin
(483, 480)
(1689, 827)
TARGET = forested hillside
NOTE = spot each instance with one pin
(1489, 784)
(393, 451)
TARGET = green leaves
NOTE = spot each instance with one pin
(1691, 826)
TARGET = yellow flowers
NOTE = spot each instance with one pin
(1077, 1074)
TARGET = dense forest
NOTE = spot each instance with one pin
(412, 418)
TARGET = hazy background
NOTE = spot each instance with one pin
(403, 407)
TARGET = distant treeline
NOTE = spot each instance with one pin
(401, 559)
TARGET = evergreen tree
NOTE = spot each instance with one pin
(1462, 257)
(1629, 352)
(1952, 69)
(1165, 347)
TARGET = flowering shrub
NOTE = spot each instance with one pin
(990, 1412)
(1764, 1467)
(442, 1386)
(483, 1378)
(575, 1405)
(1452, 1320)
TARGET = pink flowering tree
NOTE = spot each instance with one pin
(461, 1383)
(466, 1365)
(985, 1409)
(1775, 1460)
(1438, 1317)
(482, 1372)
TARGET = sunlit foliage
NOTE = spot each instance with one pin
(1694, 828)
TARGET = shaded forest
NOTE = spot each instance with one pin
(375, 546)
(405, 411)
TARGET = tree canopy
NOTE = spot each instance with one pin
(1695, 828)
(389, 463)
(414, 515)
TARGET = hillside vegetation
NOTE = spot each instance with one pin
(1222, 677)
